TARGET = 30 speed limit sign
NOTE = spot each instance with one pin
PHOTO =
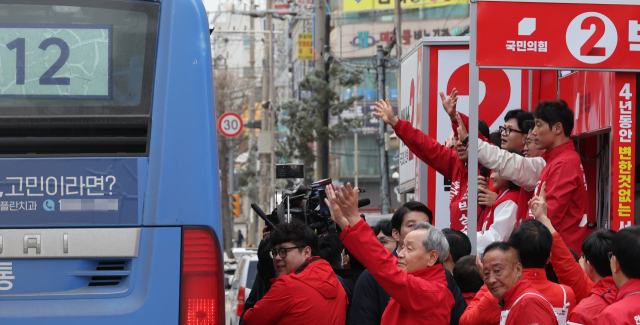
(230, 124)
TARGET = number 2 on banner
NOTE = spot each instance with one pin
(591, 37)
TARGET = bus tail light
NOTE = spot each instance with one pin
(201, 280)
(240, 307)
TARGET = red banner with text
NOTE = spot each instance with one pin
(623, 156)
(558, 35)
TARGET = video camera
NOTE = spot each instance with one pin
(305, 204)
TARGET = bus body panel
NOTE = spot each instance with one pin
(183, 191)
(150, 294)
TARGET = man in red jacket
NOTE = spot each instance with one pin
(625, 266)
(533, 242)
(417, 284)
(566, 184)
(591, 278)
(306, 290)
(452, 164)
(520, 303)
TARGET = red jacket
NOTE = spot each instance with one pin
(530, 309)
(523, 205)
(484, 308)
(310, 295)
(570, 272)
(419, 297)
(600, 297)
(566, 191)
(626, 309)
(446, 162)
(468, 296)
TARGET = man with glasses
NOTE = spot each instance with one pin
(625, 266)
(306, 290)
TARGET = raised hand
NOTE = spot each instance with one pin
(384, 110)
(449, 104)
(347, 201)
(334, 208)
(538, 207)
(462, 131)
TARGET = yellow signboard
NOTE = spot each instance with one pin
(355, 5)
(305, 46)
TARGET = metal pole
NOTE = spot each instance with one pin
(272, 119)
(252, 225)
(384, 164)
(474, 97)
(355, 137)
(322, 153)
(231, 183)
(398, 23)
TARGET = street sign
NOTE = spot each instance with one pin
(550, 35)
(305, 46)
(230, 124)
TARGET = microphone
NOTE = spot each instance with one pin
(261, 214)
(363, 202)
(484, 172)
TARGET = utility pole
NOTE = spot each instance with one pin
(263, 173)
(322, 149)
(272, 119)
(384, 164)
(252, 225)
(398, 23)
(355, 137)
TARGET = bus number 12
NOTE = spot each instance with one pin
(47, 77)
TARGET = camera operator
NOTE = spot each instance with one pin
(417, 284)
(306, 290)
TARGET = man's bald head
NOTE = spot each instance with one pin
(501, 268)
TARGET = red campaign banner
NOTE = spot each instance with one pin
(558, 35)
(590, 94)
(623, 156)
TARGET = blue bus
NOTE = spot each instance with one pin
(109, 185)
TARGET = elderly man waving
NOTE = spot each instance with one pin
(416, 281)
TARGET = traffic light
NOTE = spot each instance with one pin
(236, 205)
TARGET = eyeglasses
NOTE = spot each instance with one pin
(282, 252)
(527, 142)
(610, 255)
(508, 131)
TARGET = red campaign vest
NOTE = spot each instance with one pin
(487, 219)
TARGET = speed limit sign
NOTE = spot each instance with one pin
(230, 124)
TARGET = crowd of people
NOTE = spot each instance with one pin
(537, 261)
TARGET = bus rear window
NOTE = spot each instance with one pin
(71, 58)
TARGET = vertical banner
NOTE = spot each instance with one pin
(410, 81)
(305, 46)
(623, 154)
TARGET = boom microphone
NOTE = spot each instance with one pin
(261, 214)
(363, 202)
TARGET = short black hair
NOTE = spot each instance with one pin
(398, 216)
(521, 118)
(502, 246)
(495, 138)
(555, 111)
(483, 128)
(331, 248)
(625, 246)
(383, 225)
(459, 243)
(353, 261)
(533, 241)
(466, 274)
(596, 248)
(297, 233)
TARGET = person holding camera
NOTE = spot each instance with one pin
(306, 290)
(416, 281)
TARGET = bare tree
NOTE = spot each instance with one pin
(231, 95)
